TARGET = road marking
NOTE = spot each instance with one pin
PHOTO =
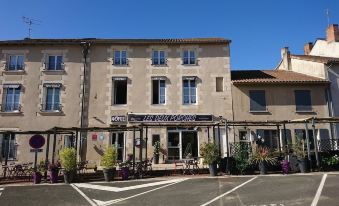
(320, 188)
(1, 188)
(102, 203)
(83, 195)
(120, 189)
(226, 193)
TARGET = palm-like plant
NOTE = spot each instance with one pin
(263, 155)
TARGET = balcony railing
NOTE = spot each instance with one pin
(10, 107)
(51, 107)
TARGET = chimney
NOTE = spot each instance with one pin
(332, 33)
(286, 59)
(307, 48)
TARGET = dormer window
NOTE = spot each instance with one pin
(15, 62)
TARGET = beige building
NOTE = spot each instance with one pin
(278, 95)
(42, 86)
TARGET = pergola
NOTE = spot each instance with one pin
(141, 127)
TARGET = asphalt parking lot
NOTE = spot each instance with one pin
(276, 190)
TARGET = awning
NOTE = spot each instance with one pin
(159, 78)
(52, 85)
(15, 86)
(190, 78)
(119, 78)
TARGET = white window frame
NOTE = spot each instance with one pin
(55, 63)
(189, 57)
(120, 58)
(158, 57)
(53, 95)
(189, 92)
(158, 80)
(13, 98)
(16, 62)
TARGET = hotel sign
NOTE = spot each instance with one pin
(118, 118)
(169, 118)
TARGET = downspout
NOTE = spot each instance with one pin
(85, 48)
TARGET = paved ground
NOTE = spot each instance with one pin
(309, 189)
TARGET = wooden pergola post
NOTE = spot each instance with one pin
(315, 143)
(208, 134)
(140, 143)
(146, 142)
(133, 149)
(308, 145)
(54, 144)
(46, 157)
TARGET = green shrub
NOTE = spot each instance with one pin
(241, 157)
(68, 159)
(109, 159)
(210, 153)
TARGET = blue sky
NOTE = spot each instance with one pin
(258, 29)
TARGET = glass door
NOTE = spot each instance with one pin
(174, 148)
(189, 146)
(118, 141)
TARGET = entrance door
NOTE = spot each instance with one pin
(118, 141)
(174, 145)
(189, 146)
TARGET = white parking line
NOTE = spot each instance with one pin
(84, 196)
(320, 188)
(226, 193)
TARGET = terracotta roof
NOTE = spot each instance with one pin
(319, 59)
(118, 41)
(273, 77)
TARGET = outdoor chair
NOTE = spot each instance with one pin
(178, 165)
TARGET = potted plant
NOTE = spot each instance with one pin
(38, 171)
(299, 152)
(285, 166)
(210, 154)
(108, 162)
(124, 166)
(262, 157)
(330, 162)
(68, 162)
(156, 152)
(54, 171)
(241, 158)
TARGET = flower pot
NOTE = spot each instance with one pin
(213, 169)
(285, 167)
(69, 176)
(263, 168)
(53, 175)
(109, 174)
(302, 163)
(125, 173)
(156, 159)
(37, 177)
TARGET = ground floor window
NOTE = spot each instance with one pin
(268, 138)
(8, 146)
(118, 139)
(301, 135)
(155, 138)
(182, 144)
(69, 141)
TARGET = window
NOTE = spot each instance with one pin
(69, 141)
(117, 139)
(11, 102)
(158, 58)
(155, 138)
(15, 62)
(303, 101)
(55, 62)
(120, 57)
(189, 91)
(219, 87)
(301, 135)
(52, 98)
(189, 57)
(159, 96)
(120, 90)
(8, 146)
(257, 101)
(268, 138)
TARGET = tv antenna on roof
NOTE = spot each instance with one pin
(328, 17)
(30, 22)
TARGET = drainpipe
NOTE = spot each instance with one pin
(85, 48)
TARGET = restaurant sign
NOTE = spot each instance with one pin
(169, 118)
